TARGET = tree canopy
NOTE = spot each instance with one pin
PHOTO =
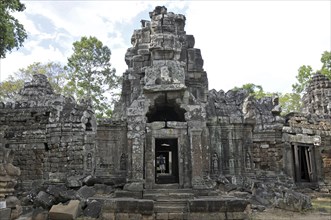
(55, 73)
(306, 72)
(254, 90)
(91, 74)
(12, 33)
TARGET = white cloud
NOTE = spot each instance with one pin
(261, 42)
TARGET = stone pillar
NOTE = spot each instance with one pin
(197, 163)
(136, 140)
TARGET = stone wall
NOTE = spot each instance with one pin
(112, 152)
(51, 135)
(245, 133)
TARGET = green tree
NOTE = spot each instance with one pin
(12, 33)
(305, 73)
(290, 102)
(55, 73)
(326, 61)
(255, 90)
(91, 74)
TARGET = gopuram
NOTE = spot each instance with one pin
(173, 149)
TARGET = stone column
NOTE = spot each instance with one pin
(197, 163)
(136, 140)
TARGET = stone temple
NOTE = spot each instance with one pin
(212, 143)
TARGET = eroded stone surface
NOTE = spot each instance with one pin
(65, 212)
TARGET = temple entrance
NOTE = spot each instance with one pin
(166, 161)
(304, 166)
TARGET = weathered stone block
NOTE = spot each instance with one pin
(132, 194)
(135, 216)
(65, 212)
(39, 214)
(122, 216)
(73, 182)
(5, 213)
(44, 200)
(85, 192)
(145, 207)
(16, 212)
(108, 216)
(162, 216)
(136, 186)
(162, 54)
(93, 209)
(294, 201)
(198, 206)
(190, 41)
(12, 202)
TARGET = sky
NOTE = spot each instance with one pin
(260, 42)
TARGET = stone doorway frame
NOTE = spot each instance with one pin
(170, 153)
(304, 159)
(154, 132)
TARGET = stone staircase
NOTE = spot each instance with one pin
(168, 194)
(167, 201)
(171, 206)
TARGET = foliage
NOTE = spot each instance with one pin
(326, 61)
(12, 33)
(9, 89)
(305, 73)
(55, 73)
(254, 90)
(304, 76)
(290, 102)
(91, 74)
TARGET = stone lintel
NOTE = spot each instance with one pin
(300, 138)
(163, 88)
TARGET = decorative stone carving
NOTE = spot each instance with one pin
(8, 173)
(248, 110)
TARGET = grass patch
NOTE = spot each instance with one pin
(322, 204)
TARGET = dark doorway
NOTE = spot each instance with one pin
(166, 152)
(165, 109)
(304, 165)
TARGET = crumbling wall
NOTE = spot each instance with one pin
(50, 135)
(112, 152)
(267, 136)
(230, 132)
(311, 128)
(245, 133)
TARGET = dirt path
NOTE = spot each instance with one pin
(279, 214)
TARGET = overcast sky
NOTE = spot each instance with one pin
(260, 42)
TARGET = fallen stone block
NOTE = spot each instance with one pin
(294, 201)
(85, 192)
(44, 200)
(5, 213)
(93, 209)
(65, 212)
(39, 214)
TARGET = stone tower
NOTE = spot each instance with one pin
(163, 101)
(318, 96)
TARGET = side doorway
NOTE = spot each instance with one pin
(304, 163)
